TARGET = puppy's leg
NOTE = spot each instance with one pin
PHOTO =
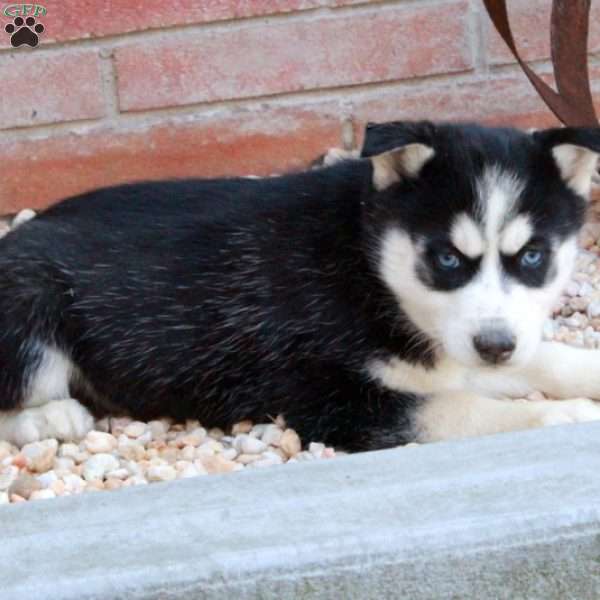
(563, 371)
(462, 414)
(36, 402)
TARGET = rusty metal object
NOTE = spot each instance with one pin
(572, 103)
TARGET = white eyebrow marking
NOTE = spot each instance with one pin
(466, 236)
(497, 193)
(515, 235)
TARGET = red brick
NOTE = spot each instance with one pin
(75, 19)
(504, 100)
(39, 172)
(530, 23)
(508, 100)
(383, 45)
(43, 88)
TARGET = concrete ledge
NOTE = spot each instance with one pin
(508, 516)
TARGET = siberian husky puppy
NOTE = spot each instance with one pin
(394, 298)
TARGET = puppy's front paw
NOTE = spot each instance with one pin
(568, 411)
(65, 420)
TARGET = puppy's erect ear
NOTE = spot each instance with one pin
(380, 137)
(399, 163)
(575, 151)
(577, 165)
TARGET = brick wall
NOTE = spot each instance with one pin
(135, 89)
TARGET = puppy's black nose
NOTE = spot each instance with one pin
(495, 345)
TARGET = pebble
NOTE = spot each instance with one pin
(161, 473)
(158, 428)
(316, 449)
(246, 459)
(216, 433)
(191, 470)
(217, 464)
(572, 289)
(7, 477)
(593, 309)
(39, 456)
(135, 429)
(241, 427)
(98, 465)
(249, 445)
(68, 450)
(193, 438)
(272, 435)
(24, 485)
(6, 450)
(47, 478)
(99, 442)
(42, 495)
(74, 483)
(290, 442)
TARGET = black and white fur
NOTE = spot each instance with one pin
(374, 302)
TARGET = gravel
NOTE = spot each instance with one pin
(121, 452)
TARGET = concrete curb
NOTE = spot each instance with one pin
(509, 516)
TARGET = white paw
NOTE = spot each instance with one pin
(569, 411)
(65, 420)
(336, 155)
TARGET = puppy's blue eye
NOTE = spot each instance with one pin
(531, 259)
(448, 260)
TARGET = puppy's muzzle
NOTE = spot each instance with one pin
(495, 346)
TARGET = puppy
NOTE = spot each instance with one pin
(373, 302)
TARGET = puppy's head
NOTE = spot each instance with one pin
(473, 229)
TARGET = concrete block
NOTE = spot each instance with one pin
(504, 517)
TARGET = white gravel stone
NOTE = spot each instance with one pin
(135, 429)
(47, 479)
(99, 442)
(158, 428)
(6, 450)
(74, 483)
(593, 309)
(39, 456)
(7, 477)
(290, 442)
(138, 480)
(272, 435)
(63, 464)
(192, 438)
(24, 485)
(42, 495)
(68, 450)
(161, 473)
(241, 427)
(98, 465)
(249, 445)
(572, 289)
(121, 473)
(316, 449)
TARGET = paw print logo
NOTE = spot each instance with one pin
(24, 32)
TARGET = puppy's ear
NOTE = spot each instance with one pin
(380, 137)
(577, 166)
(575, 151)
(404, 162)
